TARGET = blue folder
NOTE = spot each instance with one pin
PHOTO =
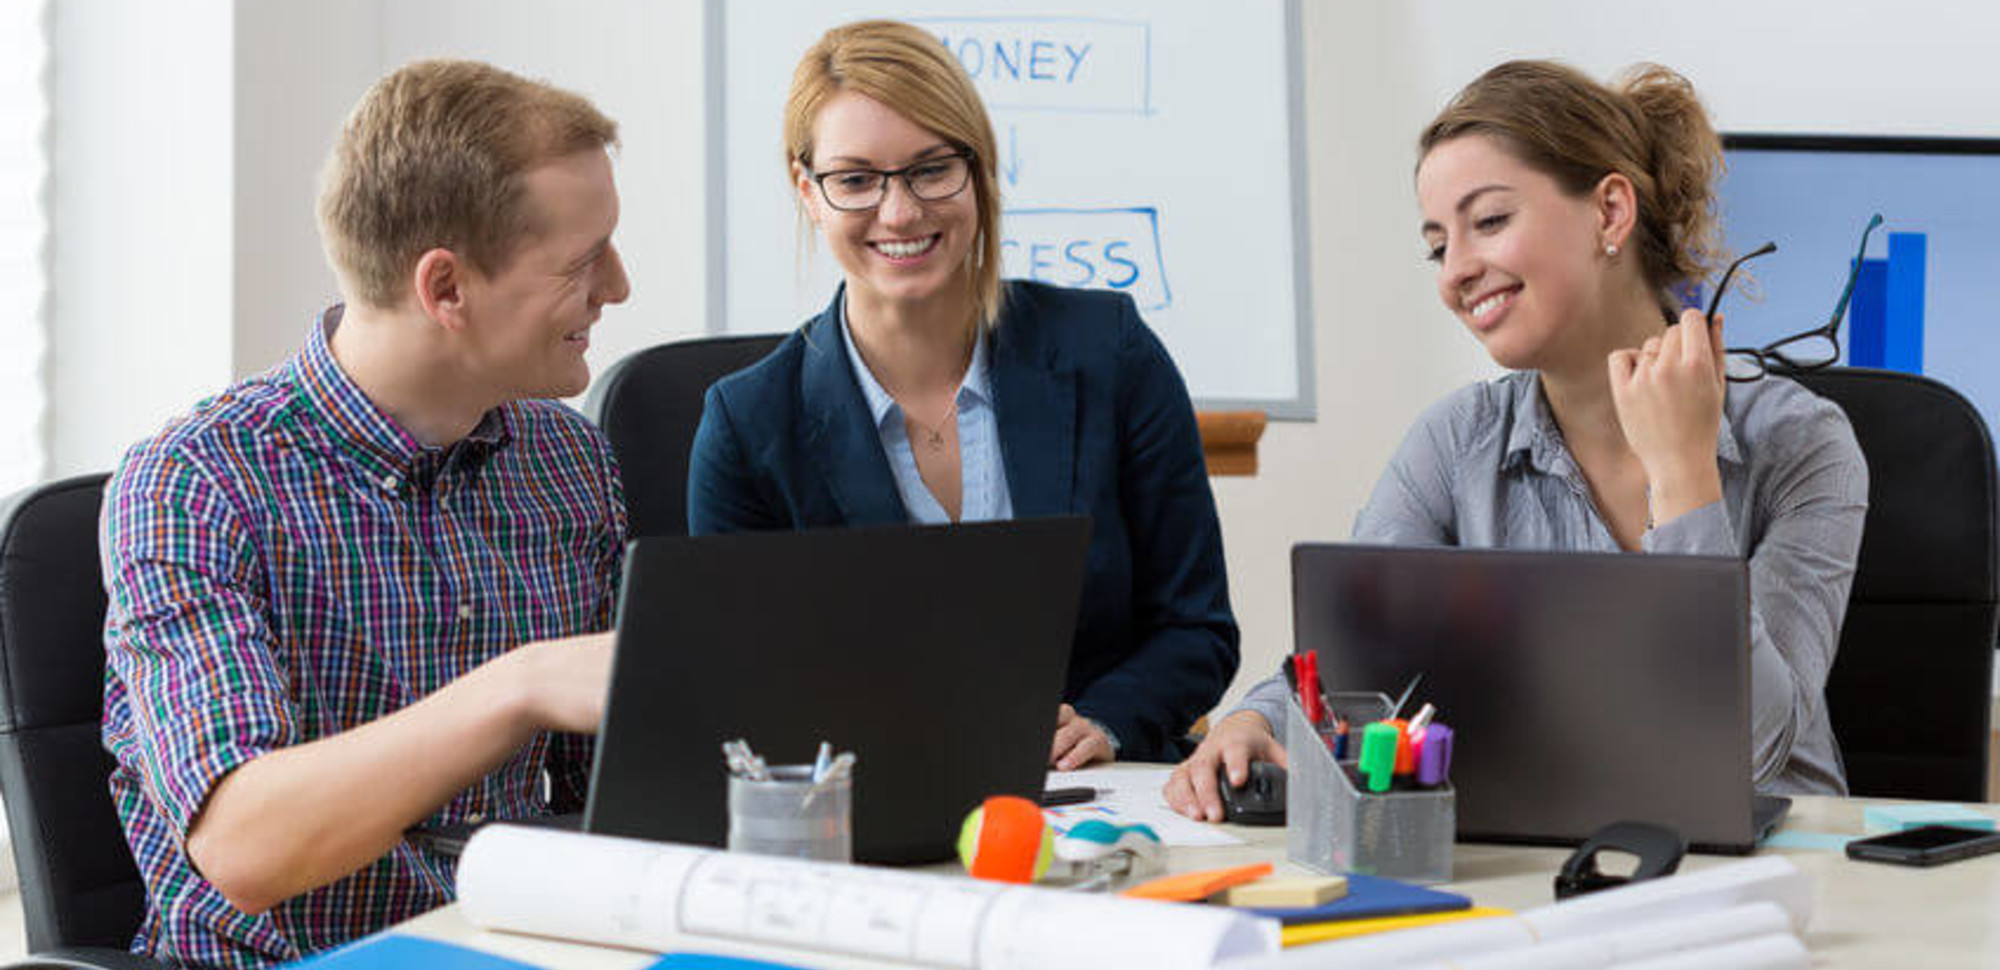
(1368, 897)
(391, 951)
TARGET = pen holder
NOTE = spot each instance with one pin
(784, 816)
(1334, 826)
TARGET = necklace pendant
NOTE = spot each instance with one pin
(936, 440)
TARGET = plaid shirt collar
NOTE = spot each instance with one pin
(371, 439)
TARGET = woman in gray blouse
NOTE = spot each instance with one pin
(1562, 215)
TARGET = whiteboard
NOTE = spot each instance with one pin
(1146, 146)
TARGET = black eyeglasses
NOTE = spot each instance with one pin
(1810, 350)
(933, 179)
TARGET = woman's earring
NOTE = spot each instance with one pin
(1610, 249)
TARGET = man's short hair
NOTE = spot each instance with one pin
(434, 156)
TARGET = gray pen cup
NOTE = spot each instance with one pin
(786, 816)
(1332, 825)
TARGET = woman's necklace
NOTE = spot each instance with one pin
(933, 435)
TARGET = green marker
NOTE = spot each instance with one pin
(1378, 755)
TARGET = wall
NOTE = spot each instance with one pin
(300, 66)
(175, 275)
(143, 248)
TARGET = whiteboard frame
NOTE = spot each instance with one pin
(1302, 407)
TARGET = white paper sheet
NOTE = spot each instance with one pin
(1132, 796)
(661, 897)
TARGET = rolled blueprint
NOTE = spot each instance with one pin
(661, 897)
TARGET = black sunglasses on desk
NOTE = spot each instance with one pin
(1805, 351)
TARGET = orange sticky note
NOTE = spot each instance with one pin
(1189, 887)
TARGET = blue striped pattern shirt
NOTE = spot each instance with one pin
(286, 563)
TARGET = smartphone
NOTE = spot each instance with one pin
(1928, 845)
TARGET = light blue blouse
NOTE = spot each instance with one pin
(983, 478)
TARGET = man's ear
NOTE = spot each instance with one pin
(439, 283)
(1617, 209)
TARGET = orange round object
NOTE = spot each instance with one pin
(1010, 842)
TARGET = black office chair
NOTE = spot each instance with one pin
(649, 405)
(80, 892)
(1910, 694)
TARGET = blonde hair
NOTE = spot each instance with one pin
(912, 73)
(434, 156)
(1649, 127)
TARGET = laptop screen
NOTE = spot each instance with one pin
(1582, 688)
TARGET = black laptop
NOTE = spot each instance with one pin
(1583, 688)
(936, 654)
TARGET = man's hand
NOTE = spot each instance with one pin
(1235, 742)
(567, 681)
(1078, 741)
(296, 818)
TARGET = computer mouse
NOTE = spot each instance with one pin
(1261, 800)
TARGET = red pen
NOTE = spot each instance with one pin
(1309, 698)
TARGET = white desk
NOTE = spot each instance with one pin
(1868, 915)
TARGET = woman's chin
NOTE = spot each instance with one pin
(1507, 352)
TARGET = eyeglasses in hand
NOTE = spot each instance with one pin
(1809, 350)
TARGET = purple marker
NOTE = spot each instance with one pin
(1434, 764)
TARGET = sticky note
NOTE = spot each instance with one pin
(1288, 891)
(1877, 819)
(1189, 887)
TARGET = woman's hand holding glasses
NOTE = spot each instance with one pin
(1668, 394)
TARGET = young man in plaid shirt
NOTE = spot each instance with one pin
(369, 589)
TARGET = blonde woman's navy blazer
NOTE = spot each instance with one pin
(1093, 419)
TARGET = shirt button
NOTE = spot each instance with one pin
(476, 818)
(389, 483)
(465, 610)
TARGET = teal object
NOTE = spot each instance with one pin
(1814, 841)
(1094, 839)
(1878, 819)
(1098, 830)
(1378, 755)
(711, 961)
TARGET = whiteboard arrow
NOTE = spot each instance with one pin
(1012, 167)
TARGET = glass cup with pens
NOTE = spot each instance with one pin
(805, 811)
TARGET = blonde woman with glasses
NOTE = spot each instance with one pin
(931, 391)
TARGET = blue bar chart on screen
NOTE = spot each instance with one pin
(1887, 316)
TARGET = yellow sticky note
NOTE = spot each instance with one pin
(1292, 891)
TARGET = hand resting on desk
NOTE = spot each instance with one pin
(1235, 742)
(1078, 742)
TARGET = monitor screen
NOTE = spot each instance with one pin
(1928, 298)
